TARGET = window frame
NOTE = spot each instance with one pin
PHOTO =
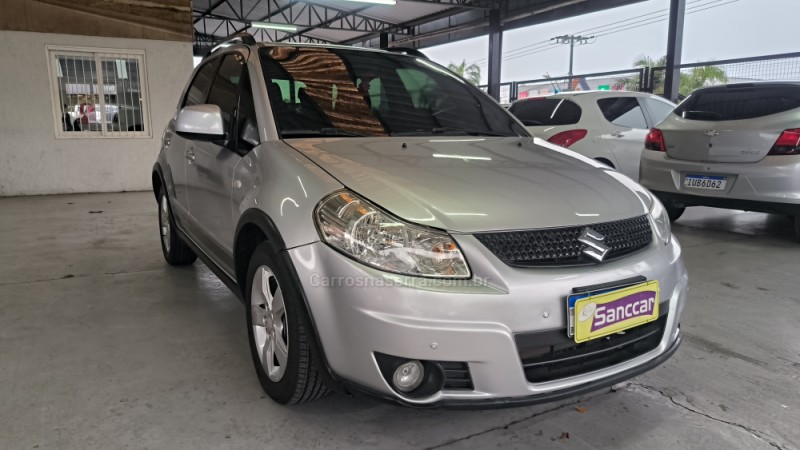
(99, 54)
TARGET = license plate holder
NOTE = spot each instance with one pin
(620, 308)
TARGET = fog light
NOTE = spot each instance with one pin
(408, 376)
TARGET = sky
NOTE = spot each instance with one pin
(713, 30)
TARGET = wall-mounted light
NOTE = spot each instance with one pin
(275, 26)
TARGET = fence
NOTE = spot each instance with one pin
(784, 66)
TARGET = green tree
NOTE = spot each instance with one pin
(471, 72)
(696, 77)
(700, 76)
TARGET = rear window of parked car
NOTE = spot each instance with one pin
(739, 102)
(546, 111)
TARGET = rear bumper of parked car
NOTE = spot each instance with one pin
(475, 324)
(770, 185)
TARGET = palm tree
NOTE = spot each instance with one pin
(471, 72)
(696, 77)
(699, 77)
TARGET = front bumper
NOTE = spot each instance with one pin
(769, 185)
(358, 311)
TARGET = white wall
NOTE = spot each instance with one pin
(33, 161)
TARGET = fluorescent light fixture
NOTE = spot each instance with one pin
(465, 157)
(379, 2)
(274, 26)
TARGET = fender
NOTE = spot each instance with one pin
(242, 243)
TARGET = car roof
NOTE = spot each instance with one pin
(398, 50)
(588, 95)
(779, 83)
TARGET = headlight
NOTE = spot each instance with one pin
(372, 236)
(660, 219)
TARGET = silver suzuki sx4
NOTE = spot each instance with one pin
(393, 231)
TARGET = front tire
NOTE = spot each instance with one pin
(175, 251)
(278, 331)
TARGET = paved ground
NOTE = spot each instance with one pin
(104, 346)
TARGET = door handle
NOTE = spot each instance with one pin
(189, 155)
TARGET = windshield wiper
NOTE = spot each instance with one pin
(325, 131)
(451, 130)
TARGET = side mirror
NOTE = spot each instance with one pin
(200, 122)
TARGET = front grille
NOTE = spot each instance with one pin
(560, 246)
(456, 375)
(550, 355)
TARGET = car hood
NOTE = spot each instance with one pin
(470, 184)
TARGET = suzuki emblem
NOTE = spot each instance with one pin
(593, 244)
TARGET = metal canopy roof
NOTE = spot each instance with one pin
(409, 23)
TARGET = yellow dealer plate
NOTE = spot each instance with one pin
(602, 314)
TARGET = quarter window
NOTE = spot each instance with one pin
(99, 93)
(623, 111)
(659, 109)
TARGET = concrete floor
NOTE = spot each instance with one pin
(102, 345)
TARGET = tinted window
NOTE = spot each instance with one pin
(737, 103)
(225, 90)
(546, 111)
(623, 111)
(659, 109)
(199, 86)
(355, 92)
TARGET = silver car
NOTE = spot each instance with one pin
(393, 231)
(729, 146)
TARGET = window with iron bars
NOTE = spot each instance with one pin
(99, 93)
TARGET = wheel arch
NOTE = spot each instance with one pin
(255, 227)
(157, 179)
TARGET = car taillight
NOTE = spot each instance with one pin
(655, 140)
(567, 138)
(788, 143)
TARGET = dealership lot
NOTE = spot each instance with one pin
(106, 346)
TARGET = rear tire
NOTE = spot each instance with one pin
(674, 212)
(279, 332)
(175, 250)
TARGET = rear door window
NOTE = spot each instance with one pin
(739, 102)
(547, 111)
(623, 111)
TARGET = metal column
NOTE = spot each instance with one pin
(384, 40)
(672, 74)
(495, 52)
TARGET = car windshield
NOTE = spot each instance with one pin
(318, 91)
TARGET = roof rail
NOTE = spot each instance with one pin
(243, 37)
(406, 51)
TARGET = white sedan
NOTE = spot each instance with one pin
(609, 126)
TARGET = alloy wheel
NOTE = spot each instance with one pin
(268, 319)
